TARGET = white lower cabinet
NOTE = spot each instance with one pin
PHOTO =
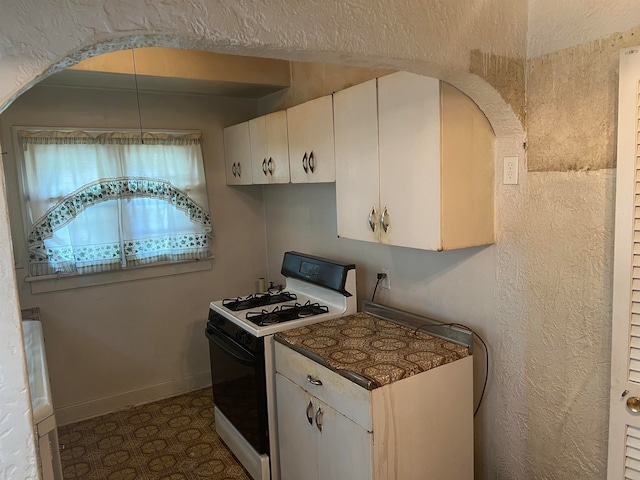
(330, 428)
(312, 438)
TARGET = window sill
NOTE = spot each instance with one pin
(54, 283)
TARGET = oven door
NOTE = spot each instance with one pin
(239, 387)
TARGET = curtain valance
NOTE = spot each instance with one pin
(79, 137)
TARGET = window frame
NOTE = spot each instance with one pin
(57, 282)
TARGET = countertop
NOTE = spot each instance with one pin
(37, 370)
(380, 351)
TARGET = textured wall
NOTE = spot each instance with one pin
(436, 37)
(568, 310)
(568, 240)
(554, 250)
(555, 26)
(506, 75)
(16, 425)
(559, 243)
(572, 106)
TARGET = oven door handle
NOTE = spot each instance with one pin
(239, 355)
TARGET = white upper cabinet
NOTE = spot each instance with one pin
(409, 138)
(311, 146)
(357, 170)
(237, 154)
(418, 174)
(269, 148)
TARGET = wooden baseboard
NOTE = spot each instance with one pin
(94, 408)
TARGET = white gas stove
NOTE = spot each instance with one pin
(240, 332)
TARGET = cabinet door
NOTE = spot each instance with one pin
(409, 143)
(355, 113)
(344, 447)
(311, 145)
(297, 437)
(259, 151)
(237, 154)
(269, 148)
(277, 147)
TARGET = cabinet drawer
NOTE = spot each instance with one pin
(336, 391)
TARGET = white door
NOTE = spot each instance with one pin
(259, 152)
(355, 113)
(344, 447)
(297, 435)
(624, 425)
(237, 154)
(277, 147)
(269, 148)
(311, 146)
(409, 143)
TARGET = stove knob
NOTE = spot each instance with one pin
(241, 337)
(215, 318)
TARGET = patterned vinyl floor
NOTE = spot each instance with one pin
(173, 439)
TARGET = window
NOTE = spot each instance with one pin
(100, 201)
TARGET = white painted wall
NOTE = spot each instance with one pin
(112, 345)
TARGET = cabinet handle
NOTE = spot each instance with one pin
(264, 166)
(372, 216)
(239, 171)
(305, 163)
(312, 162)
(270, 165)
(319, 419)
(310, 413)
(384, 220)
(313, 381)
(233, 169)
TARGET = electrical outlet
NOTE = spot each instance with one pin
(510, 171)
(385, 282)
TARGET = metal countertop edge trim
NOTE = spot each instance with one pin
(356, 378)
(426, 325)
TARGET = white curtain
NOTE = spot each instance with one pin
(106, 201)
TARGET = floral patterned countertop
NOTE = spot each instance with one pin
(380, 351)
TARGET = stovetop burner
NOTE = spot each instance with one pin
(257, 300)
(285, 313)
